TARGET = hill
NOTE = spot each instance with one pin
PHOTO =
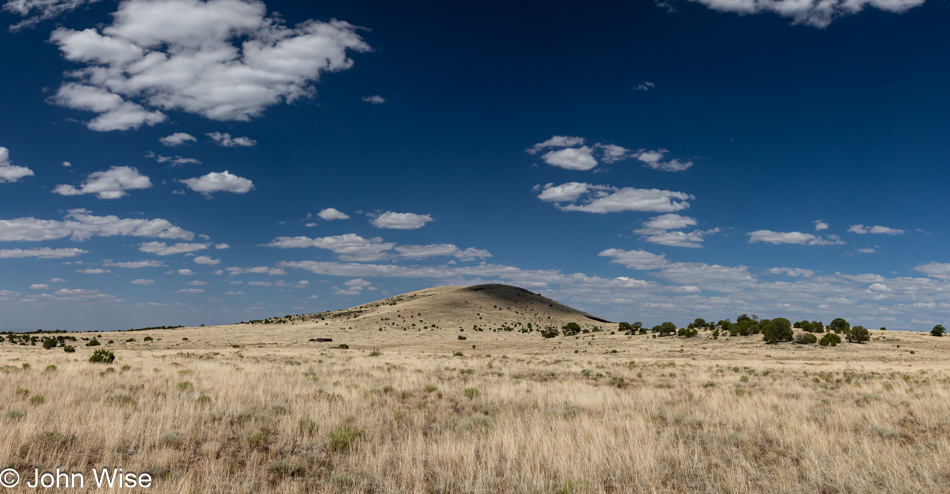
(488, 307)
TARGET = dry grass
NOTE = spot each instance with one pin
(515, 414)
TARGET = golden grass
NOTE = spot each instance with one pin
(659, 415)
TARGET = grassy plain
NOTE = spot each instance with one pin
(259, 408)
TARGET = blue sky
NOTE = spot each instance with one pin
(187, 162)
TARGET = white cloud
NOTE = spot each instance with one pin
(9, 172)
(820, 225)
(605, 199)
(222, 59)
(39, 286)
(332, 214)
(80, 224)
(93, 271)
(799, 238)
(197, 283)
(880, 230)
(670, 221)
(219, 182)
(259, 283)
(708, 276)
(692, 239)
(208, 261)
(110, 184)
(349, 247)
(186, 272)
(142, 281)
(256, 270)
(817, 13)
(67, 164)
(114, 112)
(612, 153)
(433, 250)
(44, 9)
(374, 99)
(867, 251)
(654, 159)
(224, 139)
(354, 287)
(938, 270)
(636, 259)
(161, 249)
(57, 280)
(807, 273)
(134, 264)
(177, 139)
(173, 160)
(222, 246)
(646, 86)
(401, 221)
(581, 158)
(556, 142)
(190, 290)
(42, 253)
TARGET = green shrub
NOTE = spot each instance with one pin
(462, 338)
(15, 414)
(806, 339)
(258, 440)
(102, 356)
(549, 333)
(93, 342)
(342, 438)
(203, 400)
(859, 334)
(571, 329)
(830, 339)
(184, 385)
(37, 400)
(471, 393)
(286, 468)
(938, 330)
(375, 353)
(343, 480)
(839, 325)
(776, 330)
(50, 368)
(69, 349)
(49, 343)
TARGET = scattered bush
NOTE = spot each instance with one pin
(342, 438)
(69, 349)
(549, 333)
(776, 330)
(806, 339)
(938, 330)
(859, 334)
(286, 468)
(571, 329)
(37, 400)
(102, 357)
(471, 393)
(375, 353)
(93, 342)
(830, 339)
(203, 400)
(839, 326)
(184, 385)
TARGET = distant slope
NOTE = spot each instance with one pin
(451, 307)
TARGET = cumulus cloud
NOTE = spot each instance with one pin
(329, 214)
(186, 272)
(877, 229)
(93, 271)
(692, 239)
(134, 264)
(646, 86)
(401, 221)
(206, 260)
(434, 250)
(353, 287)
(807, 273)
(42, 253)
(374, 99)
(219, 182)
(256, 270)
(225, 140)
(9, 172)
(80, 225)
(556, 142)
(349, 247)
(708, 276)
(817, 13)
(938, 270)
(177, 139)
(162, 249)
(190, 290)
(39, 286)
(612, 153)
(176, 160)
(670, 221)
(606, 199)
(799, 238)
(222, 59)
(142, 281)
(581, 158)
(110, 184)
(820, 225)
(654, 159)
